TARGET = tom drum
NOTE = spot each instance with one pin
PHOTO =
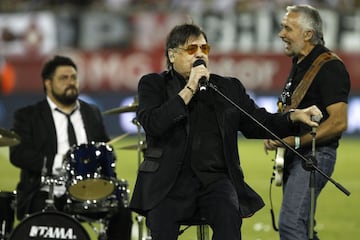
(90, 170)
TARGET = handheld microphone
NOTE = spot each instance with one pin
(202, 81)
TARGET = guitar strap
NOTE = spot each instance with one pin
(309, 76)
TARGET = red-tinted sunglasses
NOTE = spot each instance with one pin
(192, 48)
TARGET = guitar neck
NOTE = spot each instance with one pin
(280, 151)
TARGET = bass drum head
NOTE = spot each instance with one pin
(49, 226)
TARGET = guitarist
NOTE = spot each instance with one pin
(317, 77)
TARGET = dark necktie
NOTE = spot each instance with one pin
(70, 128)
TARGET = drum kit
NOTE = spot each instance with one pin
(7, 199)
(93, 193)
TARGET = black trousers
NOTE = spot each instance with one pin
(120, 223)
(218, 203)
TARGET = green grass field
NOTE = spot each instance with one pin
(338, 215)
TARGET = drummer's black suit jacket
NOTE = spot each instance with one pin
(35, 126)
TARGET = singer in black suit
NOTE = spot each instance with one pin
(45, 141)
(191, 165)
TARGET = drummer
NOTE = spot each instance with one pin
(46, 136)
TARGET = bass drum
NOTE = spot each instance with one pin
(49, 225)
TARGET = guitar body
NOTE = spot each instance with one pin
(279, 166)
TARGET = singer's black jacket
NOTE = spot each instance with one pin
(35, 126)
(162, 114)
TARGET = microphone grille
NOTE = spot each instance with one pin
(199, 62)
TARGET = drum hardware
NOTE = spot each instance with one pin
(8, 138)
(101, 208)
(98, 213)
(101, 231)
(49, 181)
(7, 213)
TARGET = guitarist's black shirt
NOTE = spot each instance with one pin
(330, 85)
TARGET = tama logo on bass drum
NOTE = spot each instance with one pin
(49, 225)
(49, 232)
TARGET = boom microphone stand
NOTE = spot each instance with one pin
(309, 163)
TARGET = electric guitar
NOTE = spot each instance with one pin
(278, 168)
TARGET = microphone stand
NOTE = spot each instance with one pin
(312, 186)
(308, 162)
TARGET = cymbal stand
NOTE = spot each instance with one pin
(7, 216)
(2, 230)
(139, 141)
(101, 230)
(49, 181)
(140, 219)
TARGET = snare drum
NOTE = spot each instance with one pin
(103, 207)
(90, 170)
(7, 206)
(49, 225)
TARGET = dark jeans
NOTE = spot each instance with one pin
(295, 209)
(218, 203)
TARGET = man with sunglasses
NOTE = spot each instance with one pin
(191, 165)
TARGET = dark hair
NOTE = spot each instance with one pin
(50, 66)
(179, 35)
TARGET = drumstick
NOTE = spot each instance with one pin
(117, 139)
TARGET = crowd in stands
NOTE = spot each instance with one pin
(169, 5)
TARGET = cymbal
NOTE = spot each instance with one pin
(129, 108)
(118, 138)
(142, 144)
(8, 138)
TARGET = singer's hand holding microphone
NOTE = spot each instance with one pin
(200, 74)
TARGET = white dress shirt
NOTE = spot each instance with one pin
(60, 122)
